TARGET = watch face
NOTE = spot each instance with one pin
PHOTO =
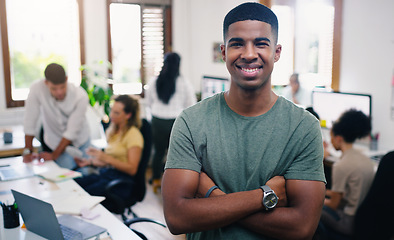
(270, 200)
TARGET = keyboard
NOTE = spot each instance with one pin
(70, 234)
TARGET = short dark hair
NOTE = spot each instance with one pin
(352, 125)
(55, 73)
(251, 11)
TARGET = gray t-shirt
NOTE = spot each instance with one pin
(242, 153)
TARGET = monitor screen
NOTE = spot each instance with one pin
(212, 85)
(330, 105)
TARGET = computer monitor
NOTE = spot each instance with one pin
(212, 85)
(330, 105)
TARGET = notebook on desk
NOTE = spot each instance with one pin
(15, 171)
(40, 218)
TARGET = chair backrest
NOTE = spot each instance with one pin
(375, 216)
(140, 186)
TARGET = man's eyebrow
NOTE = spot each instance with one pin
(235, 40)
(262, 39)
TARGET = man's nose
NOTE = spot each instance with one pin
(250, 52)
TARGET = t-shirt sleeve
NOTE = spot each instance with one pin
(308, 162)
(181, 152)
(134, 138)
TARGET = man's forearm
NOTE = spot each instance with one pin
(29, 142)
(201, 214)
(60, 148)
(290, 222)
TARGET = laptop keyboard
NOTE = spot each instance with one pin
(70, 234)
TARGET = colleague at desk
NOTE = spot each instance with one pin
(352, 175)
(62, 107)
(121, 158)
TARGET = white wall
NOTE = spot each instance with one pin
(367, 56)
(367, 59)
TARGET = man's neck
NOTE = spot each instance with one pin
(250, 103)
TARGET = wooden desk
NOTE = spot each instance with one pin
(18, 142)
(42, 189)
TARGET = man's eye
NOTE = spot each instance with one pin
(235, 44)
(261, 44)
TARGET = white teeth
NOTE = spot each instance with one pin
(249, 70)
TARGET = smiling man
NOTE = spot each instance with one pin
(62, 108)
(231, 153)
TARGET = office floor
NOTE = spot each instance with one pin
(152, 207)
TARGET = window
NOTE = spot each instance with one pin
(312, 47)
(137, 44)
(34, 34)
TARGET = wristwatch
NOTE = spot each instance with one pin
(269, 198)
(26, 151)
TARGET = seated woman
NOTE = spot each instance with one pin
(352, 175)
(121, 157)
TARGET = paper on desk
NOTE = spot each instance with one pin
(60, 174)
(75, 204)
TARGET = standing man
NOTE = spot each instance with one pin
(224, 150)
(62, 107)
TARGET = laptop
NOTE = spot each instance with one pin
(40, 218)
(15, 171)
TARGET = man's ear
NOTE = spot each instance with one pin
(223, 51)
(278, 51)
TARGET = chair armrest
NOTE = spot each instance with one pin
(128, 222)
(117, 182)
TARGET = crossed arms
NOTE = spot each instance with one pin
(296, 216)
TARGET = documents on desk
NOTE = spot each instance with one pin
(59, 174)
(66, 197)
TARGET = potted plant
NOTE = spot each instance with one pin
(96, 82)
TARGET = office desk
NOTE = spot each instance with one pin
(42, 189)
(18, 142)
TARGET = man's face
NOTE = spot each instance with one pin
(250, 51)
(58, 91)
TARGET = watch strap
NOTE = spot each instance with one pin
(266, 188)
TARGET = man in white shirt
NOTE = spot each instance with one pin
(62, 108)
(296, 93)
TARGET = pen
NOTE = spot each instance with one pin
(5, 165)
(109, 235)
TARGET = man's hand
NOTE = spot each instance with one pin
(278, 184)
(30, 157)
(46, 156)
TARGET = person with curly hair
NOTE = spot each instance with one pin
(352, 175)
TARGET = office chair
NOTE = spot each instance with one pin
(375, 216)
(117, 204)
